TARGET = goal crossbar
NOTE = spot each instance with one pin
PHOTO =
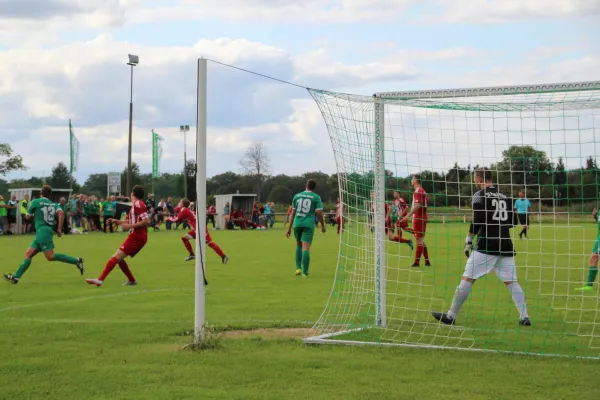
(491, 91)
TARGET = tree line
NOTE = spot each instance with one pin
(521, 168)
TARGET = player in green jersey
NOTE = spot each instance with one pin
(593, 271)
(305, 206)
(44, 213)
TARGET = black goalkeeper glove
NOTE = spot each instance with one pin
(468, 246)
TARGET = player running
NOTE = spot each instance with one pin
(593, 263)
(306, 205)
(340, 216)
(187, 215)
(493, 218)
(419, 214)
(137, 223)
(43, 211)
(400, 210)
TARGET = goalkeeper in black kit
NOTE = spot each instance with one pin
(493, 218)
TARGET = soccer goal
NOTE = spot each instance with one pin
(541, 140)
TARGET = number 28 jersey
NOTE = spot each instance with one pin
(306, 204)
(493, 218)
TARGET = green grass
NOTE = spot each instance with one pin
(61, 339)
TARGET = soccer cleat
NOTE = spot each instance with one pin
(410, 244)
(96, 282)
(428, 264)
(10, 278)
(443, 317)
(525, 322)
(225, 259)
(298, 272)
(190, 258)
(586, 288)
(305, 275)
(80, 265)
(416, 265)
(129, 283)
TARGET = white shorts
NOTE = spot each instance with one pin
(480, 264)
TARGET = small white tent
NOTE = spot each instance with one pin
(236, 201)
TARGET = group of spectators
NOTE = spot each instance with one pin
(89, 213)
(262, 216)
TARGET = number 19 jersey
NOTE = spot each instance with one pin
(493, 218)
(306, 204)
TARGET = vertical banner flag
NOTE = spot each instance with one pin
(156, 153)
(74, 149)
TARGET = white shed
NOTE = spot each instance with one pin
(245, 201)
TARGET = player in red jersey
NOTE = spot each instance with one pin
(340, 216)
(137, 223)
(401, 209)
(419, 214)
(389, 225)
(187, 215)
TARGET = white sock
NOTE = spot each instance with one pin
(519, 298)
(460, 296)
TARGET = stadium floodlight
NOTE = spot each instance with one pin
(133, 61)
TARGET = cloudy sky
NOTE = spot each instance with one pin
(66, 59)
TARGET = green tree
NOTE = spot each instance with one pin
(281, 194)
(12, 162)
(60, 178)
(524, 165)
(135, 177)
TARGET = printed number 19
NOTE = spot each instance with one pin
(303, 206)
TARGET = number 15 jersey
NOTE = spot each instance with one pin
(306, 204)
(493, 218)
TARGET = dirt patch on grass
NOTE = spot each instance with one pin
(269, 333)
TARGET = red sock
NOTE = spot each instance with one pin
(216, 248)
(418, 254)
(188, 245)
(400, 239)
(425, 254)
(125, 268)
(110, 265)
(338, 228)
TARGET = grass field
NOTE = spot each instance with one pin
(61, 339)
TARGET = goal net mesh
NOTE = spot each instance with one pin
(537, 140)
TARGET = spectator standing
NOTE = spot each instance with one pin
(211, 211)
(108, 211)
(226, 216)
(3, 215)
(26, 224)
(13, 205)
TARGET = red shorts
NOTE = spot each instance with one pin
(419, 227)
(338, 220)
(133, 244)
(389, 225)
(192, 233)
(400, 225)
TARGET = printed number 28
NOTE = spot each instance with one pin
(500, 210)
(303, 206)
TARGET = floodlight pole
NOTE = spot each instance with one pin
(184, 129)
(200, 298)
(133, 61)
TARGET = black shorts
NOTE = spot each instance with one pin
(12, 219)
(523, 219)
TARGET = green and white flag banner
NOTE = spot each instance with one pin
(74, 149)
(156, 153)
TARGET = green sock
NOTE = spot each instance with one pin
(592, 274)
(22, 268)
(305, 262)
(64, 258)
(299, 257)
